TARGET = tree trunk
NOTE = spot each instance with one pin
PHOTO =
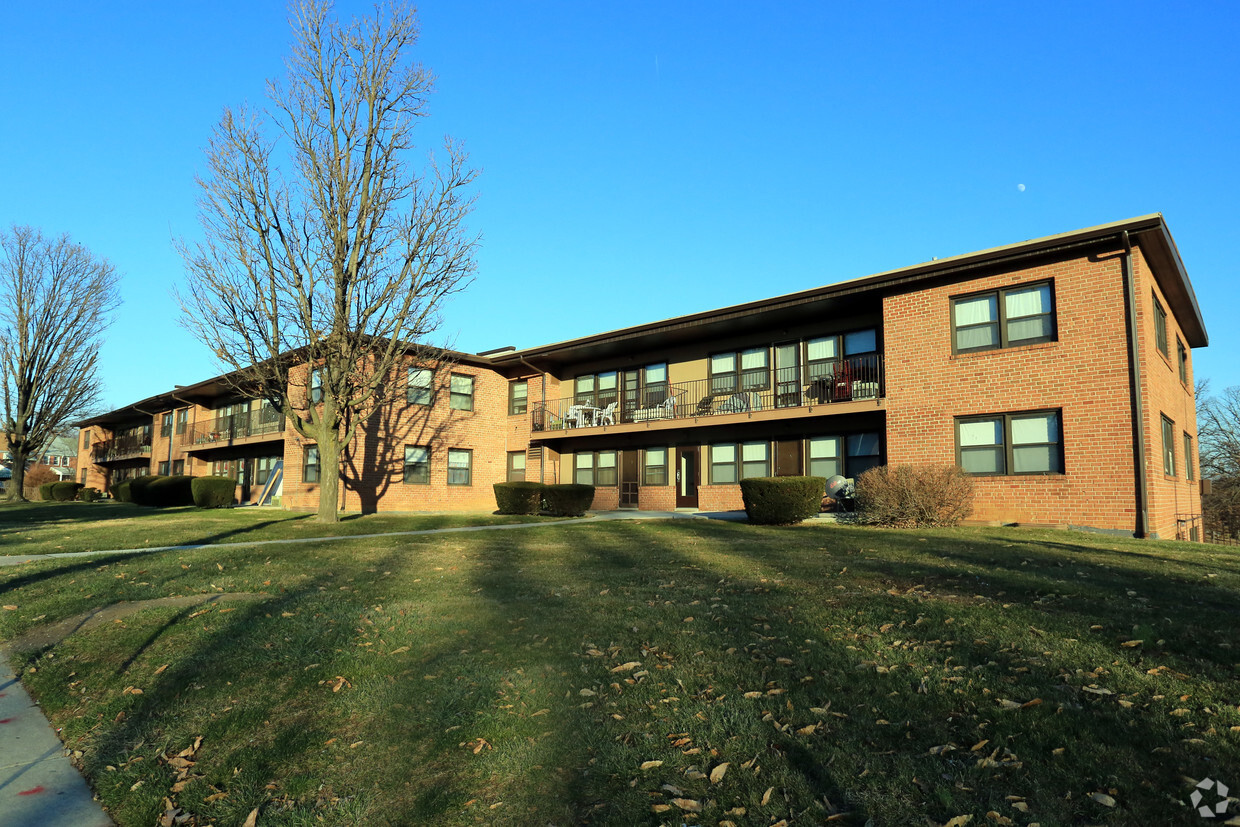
(329, 479)
(17, 483)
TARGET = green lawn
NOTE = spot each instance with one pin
(50, 528)
(686, 672)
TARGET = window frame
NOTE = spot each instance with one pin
(164, 467)
(311, 472)
(517, 407)
(654, 475)
(838, 458)
(595, 468)
(178, 467)
(1168, 445)
(182, 420)
(1188, 456)
(415, 478)
(454, 394)
(1160, 328)
(417, 393)
(1002, 321)
(165, 424)
(315, 394)
(1008, 447)
(511, 470)
(1182, 359)
(712, 464)
(740, 376)
(468, 468)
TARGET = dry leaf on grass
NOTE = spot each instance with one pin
(959, 821)
(688, 805)
(252, 819)
(1103, 799)
(716, 775)
(766, 796)
(649, 765)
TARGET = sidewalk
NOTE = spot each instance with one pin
(38, 785)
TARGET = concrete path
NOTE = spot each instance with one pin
(38, 785)
(599, 516)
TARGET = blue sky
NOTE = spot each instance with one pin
(644, 160)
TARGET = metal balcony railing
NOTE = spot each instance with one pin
(233, 427)
(843, 380)
(121, 448)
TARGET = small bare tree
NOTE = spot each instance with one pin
(1218, 445)
(315, 279)
(56, 300)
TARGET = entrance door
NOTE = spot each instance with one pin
(628, 479)
(788, 375)
(687, 476)
(630, 397)
(788, 458)
(245, 473)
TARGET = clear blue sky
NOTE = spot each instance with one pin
(664, 157)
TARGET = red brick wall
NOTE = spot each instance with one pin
(1084, 374)
(1164, 395)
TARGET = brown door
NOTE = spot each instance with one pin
(788, 458)
(245, 473)
(687, 476)
(628, 479)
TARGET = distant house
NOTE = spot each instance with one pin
(1056, 371)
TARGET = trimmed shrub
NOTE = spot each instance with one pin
(122, 493)
(89, 495)
(782, 500)
(139, 490)
(567, 499)
(165, 492)
(909, 496)
(45, 490)
(519, 497)
(64, 492)
(213, 492)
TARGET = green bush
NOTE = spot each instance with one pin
(64, 492)
(45, 490)
(213, 492)
(519, 497)
(782, 500)
(166, 492)
(568, 499)
(89, 495)
(122, 493)
(140, 490)
(908, 496)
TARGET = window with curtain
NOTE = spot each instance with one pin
(516, 466)
(420, 380)
(654, 384)
(460, 466)
(820, 357)
(1168, 446)
(461, 396)
(1003, 318)
(596, 468)
(518, 395)
(755, 460)
(654, 466)
(417, 465)
(1016, 443)
(722, 464)
(824, 456)
(745, 370)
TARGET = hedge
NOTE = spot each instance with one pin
(568, 499)
(213, 492)
(45, 490)
(782, 500)
(63, 492)
(519, 497)
(89, 495)
(121, 492)
(165, 492)
(139, 490)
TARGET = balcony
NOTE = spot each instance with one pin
(121, 448)
(253, 426)
(793, 392)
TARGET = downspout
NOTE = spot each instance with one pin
(1138, 406)
(542, 455)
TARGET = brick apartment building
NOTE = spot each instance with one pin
(1058, 371)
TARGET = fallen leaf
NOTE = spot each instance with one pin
(252, 819)
(1130, 644)
(766, 796)
(160, 670)
(11, 608)
(627, 667)
(660, 808)
(716, 775)
(959, 821)
(688, 805)
(1103, 799)
(649, 765)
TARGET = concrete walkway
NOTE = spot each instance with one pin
(38, 785)
(597, 517)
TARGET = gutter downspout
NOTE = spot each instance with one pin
(1138, 406)
(542, 458)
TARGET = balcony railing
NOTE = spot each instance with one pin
(844, 380)
(233, 427)
(121, 448)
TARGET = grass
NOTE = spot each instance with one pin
(606, 673)
(51, 528)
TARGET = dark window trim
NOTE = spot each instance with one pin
(513, 402)
(182, 420)
(509, 471)
(1008, 462)
(739, 373)
(661, 468)
(596, 395)
(428, 389)
(1188, 456)
(452, 394)
(407, 476)
(310, 472)
(1002, 320)
(1182, 357)
(1160, 327)
(1168, 445)
(738, 464)
(594, 467)
(469, 469)
(316, 390)
(165, 424)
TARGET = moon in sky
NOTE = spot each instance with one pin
(1020, 187)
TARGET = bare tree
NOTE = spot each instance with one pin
(56, 300)
(330, 270)
(1218, 445)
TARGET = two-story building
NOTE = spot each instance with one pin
(1057, 371)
